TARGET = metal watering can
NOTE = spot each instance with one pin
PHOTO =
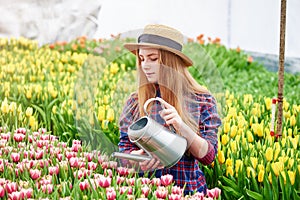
(156, 140)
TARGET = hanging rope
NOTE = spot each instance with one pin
(281, 67)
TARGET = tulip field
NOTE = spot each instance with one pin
(60, 105)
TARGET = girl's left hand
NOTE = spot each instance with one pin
(170, 115)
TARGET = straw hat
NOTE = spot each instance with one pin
(160, 37)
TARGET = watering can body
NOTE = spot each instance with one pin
(156, 140)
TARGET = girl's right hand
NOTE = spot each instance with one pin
(147, 164)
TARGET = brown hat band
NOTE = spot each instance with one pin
(156, 39)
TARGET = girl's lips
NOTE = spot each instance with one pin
(149, 74)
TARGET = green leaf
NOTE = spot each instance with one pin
(254, 195)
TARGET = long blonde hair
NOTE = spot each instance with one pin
(175, 84)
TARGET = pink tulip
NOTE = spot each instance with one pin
(11, 187)
(89, 156)
(21, 130)
(18, 137)
(42, 130)
(76, 147)
(47, 188)
(130, 181)
(103, 181)
(120, 179)
(161, 192)
(177, 190)
(110, 194)
(5, 136)
(108, 172)
(59, 156)
(35, 173)
(69, 154)
(145, 181)
(44, 137)
(84, 185)
(145, 190)
(15, 157)
(124, 189)
(92, 165)
(156, 181)
(123, 171)
(27, 193)
(214, 193)
(74, 162)
(15, 195)
(54, 170)
(39, 154)
(2, 191)
(174, 197)
(166, 179)
(199, 195)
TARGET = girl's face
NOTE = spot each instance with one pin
(150, 63)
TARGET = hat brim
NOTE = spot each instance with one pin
(133, 47)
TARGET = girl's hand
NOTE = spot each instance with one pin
(147, 164)
(170, 115)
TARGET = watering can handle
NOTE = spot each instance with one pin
(156, 99)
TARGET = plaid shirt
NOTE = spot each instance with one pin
(186, 171)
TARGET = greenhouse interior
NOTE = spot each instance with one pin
(88, 113)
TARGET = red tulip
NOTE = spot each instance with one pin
(21, 130)
(35, 173)
(214, 193)
(15, 157)
(5, 136)
(89, 156)
(166, 179)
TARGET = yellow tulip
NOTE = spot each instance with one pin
(261, 175)
(101, 113)
(4, 106)
(269, 154)
(110, 114)
(276, 153)
(270, 177)
(254, 162)
(293, 120)
(29, 112)
(250, 136)
(292, 177)
(226, 127)
(228, 162)
(32, 121)
(282, 173)
(106, 99)
(277, 167)
(229, 171)
(233, 131)
(285, 105)
(268, 102)
(294, 141)
(238, 165)
(225, 139)
(221, 157)
(260, 128)
(298, 166)
(233, 146)
(12, 106)
(104, 124)
(28, 94)
(250, 172)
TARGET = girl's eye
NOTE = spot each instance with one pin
(153, 59)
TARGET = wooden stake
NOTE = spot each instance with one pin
(281, 66)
